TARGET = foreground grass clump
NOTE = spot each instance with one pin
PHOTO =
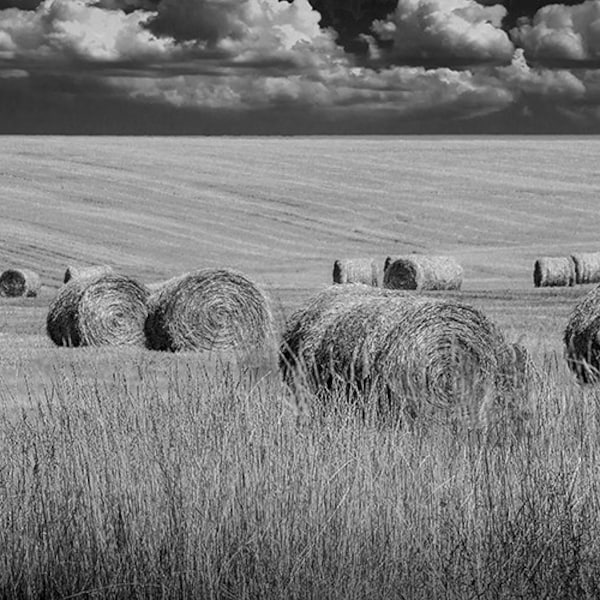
(209, 485)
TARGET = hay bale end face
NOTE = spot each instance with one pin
(19, 283)
(554, 271)
(98, 311)
(356, 270)
(211, 310)
(421, 272)
(73, 272)
(587, 267)
(582, 338)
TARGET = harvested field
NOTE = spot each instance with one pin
(131, 473)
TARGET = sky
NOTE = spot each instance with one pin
(299, 67)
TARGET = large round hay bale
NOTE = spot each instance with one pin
(356, 270)
(209, 309)
(108, 309)
(306, 326)
(587, 267)
(582, 338)
(414, 351)
(421, 272)
(73, 272)
(552, 271)
(20, 282)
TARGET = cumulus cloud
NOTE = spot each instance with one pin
(251, 31)
(559, 84)
(446, 32)
(562, 33)
(73, 29)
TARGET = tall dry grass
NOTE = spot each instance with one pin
(210, 484)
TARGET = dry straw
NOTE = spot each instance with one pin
(418, 353)
(74, 272)
(356, 270)
(306, 328)
(587, 267)
(209, 309)
(100, 310)
(421, 272)
(552, 271)
(582, 338)
(20, 282)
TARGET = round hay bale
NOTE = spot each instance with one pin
(209, 309)
(347, 345)
(356, 270)
(74, 272)
(20, 282)
(419, 352)
(420, 272)
(553, 271)
(388, 261)
(108, 309)
(305, 328)
(414, 352)
(582, 338)
(587, 267)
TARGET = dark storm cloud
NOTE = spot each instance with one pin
(20, 4)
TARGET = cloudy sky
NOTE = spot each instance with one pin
(301, 66)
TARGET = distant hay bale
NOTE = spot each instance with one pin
(209, 309)
(109, 309)
(587, 267)
(421, 272)
(388, 261)
(413, 350)
(73, 272)
(356, 270)
(582, 338)
(554, 271)
(20, 282)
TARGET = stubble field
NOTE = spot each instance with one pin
(139, 474)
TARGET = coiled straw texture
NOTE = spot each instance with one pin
(415, 352)
(209, 309)
(20, 282)
(97, 311)
(582, 338)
